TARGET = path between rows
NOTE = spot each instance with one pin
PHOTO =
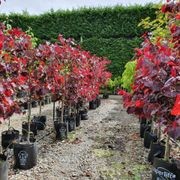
(106, 146)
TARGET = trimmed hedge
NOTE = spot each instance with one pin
(119, 50)
(110, 32)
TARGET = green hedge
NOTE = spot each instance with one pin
(110, 32)
(119, 50)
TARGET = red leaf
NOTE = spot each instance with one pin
(139, 103)
(8, 92)
(176, 108)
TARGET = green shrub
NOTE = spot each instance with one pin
(128, 75)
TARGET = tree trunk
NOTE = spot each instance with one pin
(54, 110)
(167, 150)
(29, 118)
(9, 122)
(40, 107)
(62, 111)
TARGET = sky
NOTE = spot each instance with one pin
(41, 6)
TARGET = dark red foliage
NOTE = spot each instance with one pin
(157, 79)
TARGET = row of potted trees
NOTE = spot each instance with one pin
(70, 75)
(155, 93)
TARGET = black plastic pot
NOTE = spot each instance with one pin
(8, 137)
(148, 138)
(93, 104)
(33, 128)
(47, 100)
(4, 166)
(25, 105)
(165, 170)
(156, 150)
(143, 128)
(61, 130)
(142, 120)
(78, 120)
(71, 123)
(25, 155)
(98, 101)
(83, 114)
(105, 96)
(34, 104)
(40, 122)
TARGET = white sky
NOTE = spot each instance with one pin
(40, 6)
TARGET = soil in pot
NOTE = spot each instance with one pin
(40, 122)
(4, 166)
(25, 155)
(8, 137)
(33, 128)
(92, 104)
(165, 170)
(61, 130)
(148, 138)
(156, 150)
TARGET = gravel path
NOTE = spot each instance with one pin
(106, 146)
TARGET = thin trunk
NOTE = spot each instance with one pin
(167, 150)
(70, 109)
(9, 123)
(62, 111)
(54, 110)
(29, 118)
(40, 107)
(152, 124)
(159, 132)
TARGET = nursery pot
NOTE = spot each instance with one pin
(93, 104)
(98, 101)
(7, 137)
(105, 96)
(78, 120)
(4, 166)
(34, 104)
(142, 120)
(148, 138)
(61, 130)
(25, 105)
(83, 114)
(33, 128)
(25, 155)
(40, 122)
(71, 123)
(47, 100)
(156, 150)
(165, 170)
(144, 127)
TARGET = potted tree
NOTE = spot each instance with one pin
(25, 152)
(156, 87)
